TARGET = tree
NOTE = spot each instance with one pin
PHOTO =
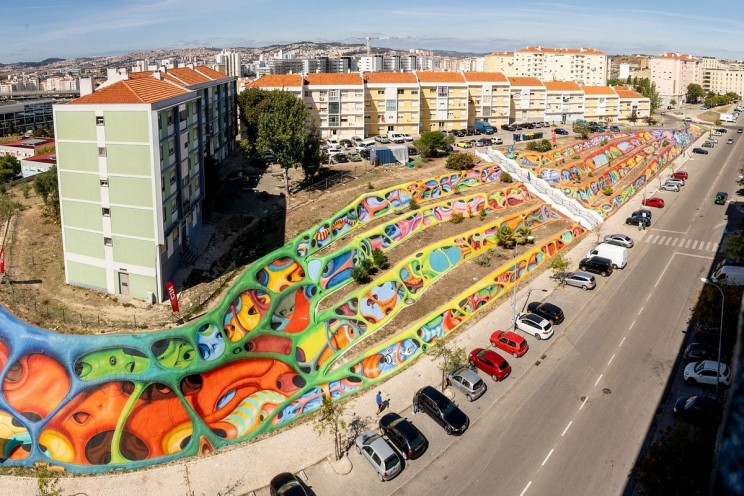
(251, 103)
(45, 185)
(672, 102)
(460, 161)
(10, 167)
(330, 419)
(648, 89)
(7, 207)
(540, 146)
(694, 93)
(522, 234)
(734, 247)
(379, 259)
(431, 141)
(449, 357)
(558, 265)
(633, 116)
(311, 153)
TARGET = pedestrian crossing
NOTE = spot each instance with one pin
(683, 243)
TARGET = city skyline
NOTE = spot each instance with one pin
(41, 29)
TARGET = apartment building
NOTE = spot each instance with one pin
(631, 104)
(392, 103)
(488, 98)
(601, 104)
(672, 73)
(502, 62)
(292, 83)
(444, 100)
(130, 165)
(336, 102)
(722, 81)
(528, 97)
(582, 65)
(564, 102)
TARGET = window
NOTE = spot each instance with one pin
(185, 181)
(414, 92)
(442, 91)
(182, 115)
(101, 151)
(391, 105)
(173, 176)
(170, 117)
(99, 120)
(174, 206)
(106, 212)
(108, 242)
(171, 147)
(104, 183)
(307, 94)
(334, 107)
(401, 92)
(380, 92)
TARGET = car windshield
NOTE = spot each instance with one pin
(391, 462)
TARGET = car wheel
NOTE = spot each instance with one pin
(604, 273)
(537, 335)
(379, 476)
(469, 397)
(359, 450)
(493, 344)
(691, 381)
(614, 266)
(448, 430)
(448, 382)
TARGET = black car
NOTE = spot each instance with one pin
(721, 198)
(638, 221)
(528, 125)
(561, 131)
(364, 154)
(339, 158)
(287, 484)
(469, 131)
(701, 151)
(698, 409)
(706, 334)
(459, 133)
(346, 143)
(697, 352)
(441, 409)
(547, 311)
(509, 127)
(404, 435)
(615, 129)
(598, 265)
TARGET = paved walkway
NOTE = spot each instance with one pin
(248, 469)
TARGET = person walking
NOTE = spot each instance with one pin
(378, 399)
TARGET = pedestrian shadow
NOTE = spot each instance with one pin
(384, 406)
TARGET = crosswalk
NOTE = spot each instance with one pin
(683, 243)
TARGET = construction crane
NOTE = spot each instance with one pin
(367, 38)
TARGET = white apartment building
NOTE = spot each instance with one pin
(582, 65)
(231, 62)
(672, 73)
(722, 81)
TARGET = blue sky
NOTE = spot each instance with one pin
(37, 29)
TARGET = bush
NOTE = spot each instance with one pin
(482, 214)
(460, 161)
(540, 146)
(359, 275)
(457, 218)
(25, 189)
(506, 177)
(413, 205)
(366, 265)
(379, 259)
(607, 191)
(484, 259)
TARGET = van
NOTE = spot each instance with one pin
(483, 127)
(729, 274)
(729, 262)
(365, 145)
(396, 137)
(716, 133)
(617, 254)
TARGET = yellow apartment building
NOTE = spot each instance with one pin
(564, 102)
(488, 98)
(527, 99)
(601, 104)
(337, 103)
(444, 100)
(291, 83)
(391, 103)
(631, 102)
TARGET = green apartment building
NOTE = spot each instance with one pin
(130, 165)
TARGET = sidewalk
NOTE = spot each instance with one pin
(249, 468)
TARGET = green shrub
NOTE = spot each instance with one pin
(607, 191)
(482, 214)
(379, 259)
(506, 177)
(457, 218)
(540, 146)
(414, 205)
(484, 259)
(360, 275)
(460, 161)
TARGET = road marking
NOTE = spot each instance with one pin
(693, 255)
(675, 241)
(639, 311)
(598, 379)
(648, 297)
(546, 458)
(566, 429)
(631, 326)
(583, 402)
(669, 241)
(688, 243)
(664, 271)
(621, 342)
(611, 359)
(654, 239)
(662, 239)
(694, 245)
(664, 230)
(715, 246)
(525, 488)
(707, 247)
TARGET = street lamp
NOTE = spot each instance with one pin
(529, 292)
(516, 277)
(720, 330)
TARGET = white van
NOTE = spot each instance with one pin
(396, 137)
(617, 254)
(729, 274)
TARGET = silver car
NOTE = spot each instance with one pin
(670, 187)
(674, 180)
(619, 240)
(383, 458)
(580, 279)
(468, 382)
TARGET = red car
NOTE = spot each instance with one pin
(491, 363)
(653, 202)
(680, 175)
(510, 342)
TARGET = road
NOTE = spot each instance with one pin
(577, 412)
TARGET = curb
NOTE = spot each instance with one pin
(341, 466)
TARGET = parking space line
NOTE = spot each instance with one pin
(584, 402)
(598, 379)
(547, 457)
(611, 359)
(566, 429)
(525, 488)
(622, 340)
(631, 327)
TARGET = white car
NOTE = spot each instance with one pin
(534, 325)
(383, 458)
(332, 143)
(670, 187)
(705, 373)
(497, 141)
(407, 137)
(620, 240)
(333, 150)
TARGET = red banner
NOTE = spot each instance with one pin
(172, 296)
(2, 260)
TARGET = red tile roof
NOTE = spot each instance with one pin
(525, 81)
(439, 77)
(598, 90)
(210, 73)
(333, 79)
(561, 86)
(276, 81)
(628, 94)
(184, 76)
(503, 54)
(138, 90)
(389, 77)
(486, 77)
(47, 158)
(31, 143)
(574, 51)
(677, 56)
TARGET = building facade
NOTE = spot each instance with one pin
(632, 105)
(581, 65)
(527, 99)
(722, 81)
(444, 100)
(26, 148)
(130, 165)
(672, 73)
(19, 117)
(488, 98)
(336, 103)
(564, 102)
(391, 103)
(601, 104)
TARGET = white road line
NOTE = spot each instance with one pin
(598, 379)
(669, 241)
(654, 239)
(583, 403)
(566, 429)
(664, 271)
(662, 239)
(707, 246)
(675, 241)
(696, 256)
(631, 326)
(687, 245)
(648, 297)
(639, 311)
(694, 245)
(623, 340)
(546, 458)
(665, 230)
(525, 488)
(715, 246)
(611, 359)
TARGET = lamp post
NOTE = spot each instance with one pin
(720, 330)
(529, 292)
(516, 277)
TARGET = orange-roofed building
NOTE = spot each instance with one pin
(444, 100)
(601, 104)
(581, 65)
(130, 165)
(632, 105)
(564, 102)
(488, 98)
(336, 103)
(527, 100)
(391, 103)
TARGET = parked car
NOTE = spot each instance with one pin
(635, 220)
(510, 127)
(654, 201)
(339, 158)
(547, 310)
(463, 144)
(670, 187)
(695, 352)
(709, 144)
(730, 141)
(355, 157)
(383, 458)
(701, 151)
(698, 409)
(412, 151)
(490, 362)
(382, 139)
(441, 409)
(598, 265)
(676, 180)
(356, 140)
(497, 141)
(286, 484)
(561, 131)
(642, 212)
(346, 143)
(509, 342)
(332, 143)
(740, 130)
(534, 325)
(721, 198)
(707, 372)
(680, 175)
(467, 381)
(706, 334)
(615, 129)
(579, 279)
(481, 142)
(619, 239)
(403, 435)
(407, 137)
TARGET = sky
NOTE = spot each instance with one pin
(34, 30)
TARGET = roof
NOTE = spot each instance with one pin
(31, 143)
(502, 54)
(47, 158)
(138, 90)
(525, 81)
(184, 76)
(598, 90)
(211, 73)
(486, 77)
(624, 93)
(389, 77)
(676, 56)
(562, 86)
(333, 79)
(439, 77)
(276, 81)
(573, 51)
